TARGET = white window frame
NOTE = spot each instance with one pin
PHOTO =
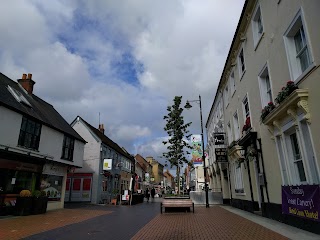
(226, 95)
(296, 73)
(289, 171)
(256, 31)
(229, 132)
(236, 126)
(240, 64)
(238, 179)
(232, 82)
(266, 93)
(245, 113)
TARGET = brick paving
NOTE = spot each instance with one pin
(20, 227)
(206, 223)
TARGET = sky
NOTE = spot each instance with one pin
(120, 63)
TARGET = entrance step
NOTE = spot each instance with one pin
(258, 212)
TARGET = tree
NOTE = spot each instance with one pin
(178, 132)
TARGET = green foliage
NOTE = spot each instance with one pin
(177, 131)
(36, 193)
(286, 91)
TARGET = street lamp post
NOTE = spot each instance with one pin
(187, 106)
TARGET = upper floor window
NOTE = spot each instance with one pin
(67, 148)
(29, 136)
(246, 109)
(296, 41)
(257, 26)
(236, 126)
(242, 67)
(265, 87)
(226, 96)
(229, 132)
(232, 83)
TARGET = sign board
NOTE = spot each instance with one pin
(301, 201)
(196, 144)
(219, 138)
(221, 155)
(147, 177)
(107, 164)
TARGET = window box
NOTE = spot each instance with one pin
(298, 98)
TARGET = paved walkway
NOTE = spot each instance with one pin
(144, 221)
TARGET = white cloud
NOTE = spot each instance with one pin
(70, 47)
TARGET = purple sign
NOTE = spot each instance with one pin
(301, 201)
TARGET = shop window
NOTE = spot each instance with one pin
(87, 184)
(67, 149)
(29, 136)
(52, 185)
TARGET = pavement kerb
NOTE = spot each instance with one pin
(281, 228)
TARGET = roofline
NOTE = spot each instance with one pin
(228, 57)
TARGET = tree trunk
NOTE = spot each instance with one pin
(178, 177)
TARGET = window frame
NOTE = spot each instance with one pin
(240, 64)
(226, 95)
(238, 179)
(232, 82)
(68, 145)
(236, 125)
(265, 96)
(295, 68)
(34, 139)
(257, 35)
(245, 115)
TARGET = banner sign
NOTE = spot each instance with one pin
(218, 138)
(301, 201)
(221, 155)
(107, 164)
(196, 144)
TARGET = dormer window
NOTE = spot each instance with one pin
(18, 96)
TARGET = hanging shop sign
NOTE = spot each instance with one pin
(301, 201)
(219, 138)
(221, 155)
(107, 164)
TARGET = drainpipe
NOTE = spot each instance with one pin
(230, 189)
(263, 169)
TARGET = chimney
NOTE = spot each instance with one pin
(27, 82)
(101, 128)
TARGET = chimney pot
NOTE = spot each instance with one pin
(101, 128)
(27, 83)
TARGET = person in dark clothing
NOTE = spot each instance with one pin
(153, 192)
(147, 194)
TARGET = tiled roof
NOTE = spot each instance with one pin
(143, 162)
(107, 141)
(39, 110)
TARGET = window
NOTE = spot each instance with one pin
(18, 96)
(229, 132)
(296, 157)
(226, 96)
(296, 154)
(238, 181)
(29, 134)
(67, 149)
(52, 185)
(242, 67)
(236, 126)
(265, 87)
(296, 42)
(232, 83)
(246, 110)
(257, 26)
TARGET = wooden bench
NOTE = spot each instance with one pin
(177, 203)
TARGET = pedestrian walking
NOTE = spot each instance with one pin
(147, 194)
(153, 192)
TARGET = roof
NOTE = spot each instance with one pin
(143, 162)
(107, 141)
(168, 174)
(40, 110)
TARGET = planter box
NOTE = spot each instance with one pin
(23, 206)
(39, 205)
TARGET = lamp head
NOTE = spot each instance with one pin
(188, 105)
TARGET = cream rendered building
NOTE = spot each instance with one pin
(273, 165)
